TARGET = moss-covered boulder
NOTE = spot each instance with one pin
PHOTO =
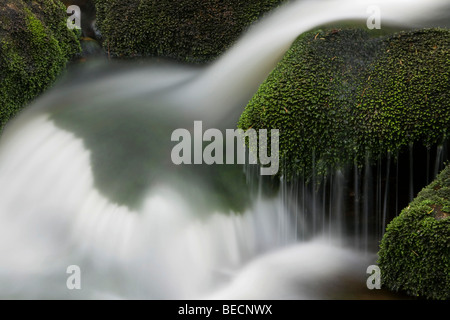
(340, 95)
(186, 30)
(35, 45)
(414, 254)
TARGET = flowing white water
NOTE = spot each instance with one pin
(162, 251)
(57, 210)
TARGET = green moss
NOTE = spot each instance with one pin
(407, 97)
(35, 46)
(186, 30)
(338, 96)
(414, 254)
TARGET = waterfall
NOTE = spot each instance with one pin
(356, 205)
(386, 195)
(411, 173)
(87, 180)
(439, 161)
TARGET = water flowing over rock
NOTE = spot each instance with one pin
(88, 181)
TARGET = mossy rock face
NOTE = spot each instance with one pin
(414, 254)
(186, 30)
(35, 45)
(340, 95)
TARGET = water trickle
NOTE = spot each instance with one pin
(378, 207)
(338, 207)
(428, 165)
(356, 204)
(323, 217)
(330, 206)
(386, 195)
(411, 172)
(439, 160)
(396, 182)
(367, 203)
(65, 158)
(314, 213)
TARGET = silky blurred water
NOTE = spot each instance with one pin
(87, 180)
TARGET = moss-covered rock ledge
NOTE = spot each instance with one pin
(35, 45)
(414, 255)
(338, 96)
(185, 30)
